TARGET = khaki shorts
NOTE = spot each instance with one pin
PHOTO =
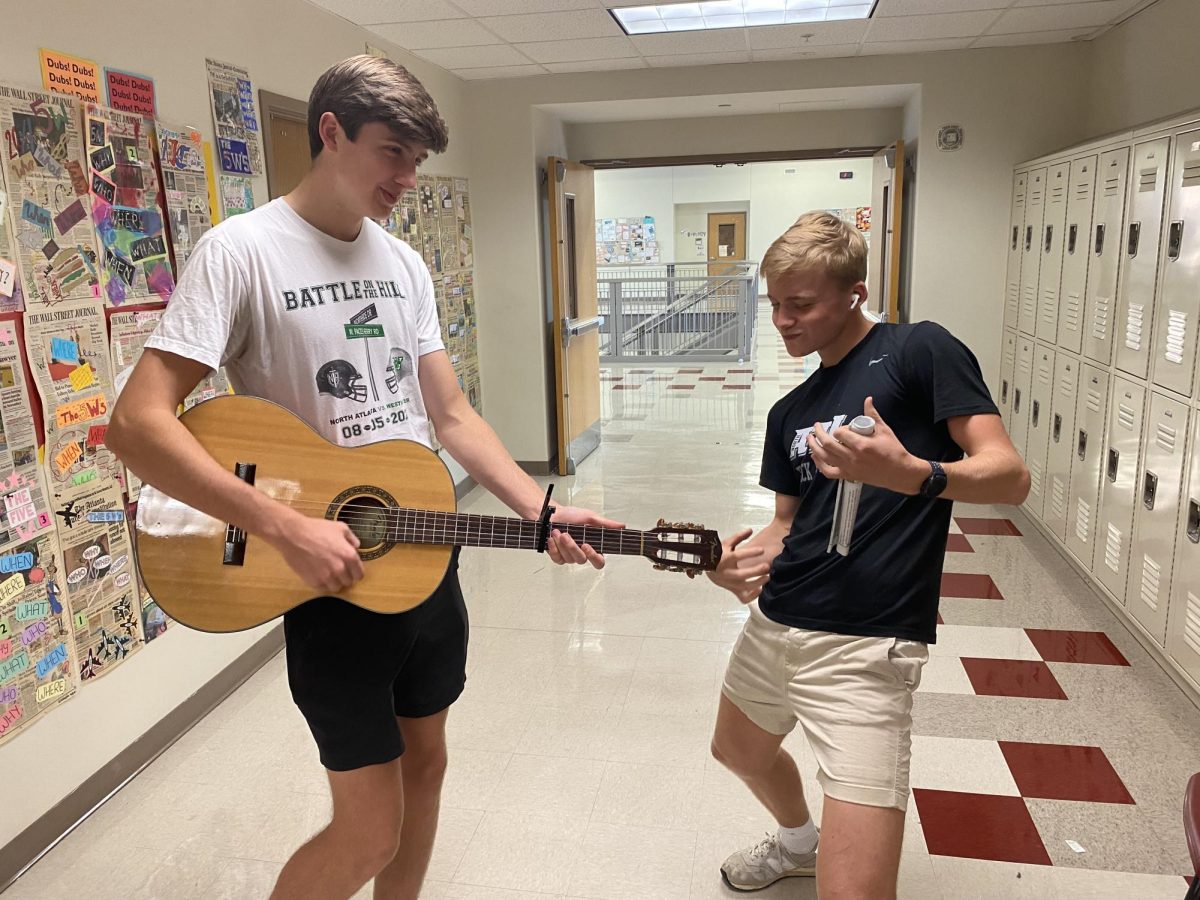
(851, 695)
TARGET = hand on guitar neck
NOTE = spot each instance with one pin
(563, 549)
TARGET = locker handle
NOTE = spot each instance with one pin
(1114, 460)
(1017, 400)
(1036, 409)
(1081, 446)
(1175, 242)
(1049, 237)
(1193, 522)
(1099, 239)
(1016, 236)
(1057, 427)
(1135, 234)
(1149, 488)
(1003, 391)
(1072, 235)
(1028, 237)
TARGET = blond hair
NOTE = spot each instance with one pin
(818, 242)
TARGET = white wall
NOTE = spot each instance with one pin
(693, 218)
(633, 193)
(73, 742)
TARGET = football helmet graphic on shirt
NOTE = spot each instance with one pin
(340, 379)
(398, 369)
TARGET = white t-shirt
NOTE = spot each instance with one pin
(331, 330)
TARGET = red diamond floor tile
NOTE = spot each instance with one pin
(958, 543)
(1013, 678)
(1064, 772)
(979, 826)
(1076, 647)
(979, 587)
(987, 526)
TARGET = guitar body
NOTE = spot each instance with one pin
(182, 553)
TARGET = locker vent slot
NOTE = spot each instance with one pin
(1058, 498)
(1112, 186)
(1045, 371)
(1125, 416)
(1147, 180)
(1030, 307)
(1191, 622)
(1083, 520)
(1050, 306)
(1133, 326)
(1112, 548)
(1035, 478)
(1176, 336)
(1065, 384)
(1165, 436)
(1072, 311)
(1151, 580)
(1093, 399)
(1083, 190)
(1191, 174)
(1100, 318)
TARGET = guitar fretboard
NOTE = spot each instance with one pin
(425, 526)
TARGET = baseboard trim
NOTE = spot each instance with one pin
(38, 839)
(536, 467)
(465, 487)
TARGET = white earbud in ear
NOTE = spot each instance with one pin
(855, 303)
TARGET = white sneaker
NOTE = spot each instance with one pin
(766, 863)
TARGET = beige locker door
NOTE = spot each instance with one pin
(1018, 426)
(1179, 291)
(1041, 396)
(1135, 309)
(1156, 513)
(1100, 308)
(1183, 619)
(1050, 276)
(1118, 486)
(1076, 253)
(1056, 509)
(1087, 463)
(1008, 362)
(1031, 252)
(1012, 287)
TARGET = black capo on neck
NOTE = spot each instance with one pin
(543, 522)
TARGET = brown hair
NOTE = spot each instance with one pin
(365, 89)
(818, 241)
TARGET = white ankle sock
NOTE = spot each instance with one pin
(799, 840)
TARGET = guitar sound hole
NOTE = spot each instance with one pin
(367, 518)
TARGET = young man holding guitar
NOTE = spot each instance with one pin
(279, 296)
(840, 631)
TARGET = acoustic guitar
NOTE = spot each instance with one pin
(397, 496)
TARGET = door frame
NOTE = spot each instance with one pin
(285, 108)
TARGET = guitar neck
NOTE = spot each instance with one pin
(423, 526)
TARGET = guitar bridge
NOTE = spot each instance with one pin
(235, 538)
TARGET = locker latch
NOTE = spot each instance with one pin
(1057, 427)
(1099, 239)
(1049, 237)
(1017, 400)
(1072, 235)
(1036, 409)
(1175, 241)
(1135, 235)
(1149, 487)
(1114, 460)
(1081, 447)
(1028, 237)
(1003, 391)
(1016, 236)
(1193, 522)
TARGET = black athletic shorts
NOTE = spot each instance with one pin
(353, 671)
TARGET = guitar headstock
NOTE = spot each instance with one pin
(683, 547)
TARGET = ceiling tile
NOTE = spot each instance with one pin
(597, 65)
(925, 28)
(1129, 3)
(515, 7)
(925, 7)
(1050, 18)
(895, 48)
(727, 39)
(710, 59)
(422, 35)
(786, 37)
(826, 52)
(475, 57)
(367, 12)
(588, 48)
(1031, 37)
(499, 72)
(558, 26)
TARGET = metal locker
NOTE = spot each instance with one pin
(1087, 464)
(1056, 506)
(1135, 308)
(1156, 510)
(1041, 397)
(1179, 290)
(1118, 484)
(1054, 220)
(1031, 250)
(1076, 253)
(1183, 619)
(1012, 285)
(1100, 307)
(1018, 428)
(1008, 362)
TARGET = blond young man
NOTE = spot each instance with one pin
(836, 642)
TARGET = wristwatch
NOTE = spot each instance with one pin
(935, 483)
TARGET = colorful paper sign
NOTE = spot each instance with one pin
(71, 75)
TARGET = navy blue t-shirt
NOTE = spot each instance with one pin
(919, 376)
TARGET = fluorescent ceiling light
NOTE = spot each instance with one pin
(717, 14)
